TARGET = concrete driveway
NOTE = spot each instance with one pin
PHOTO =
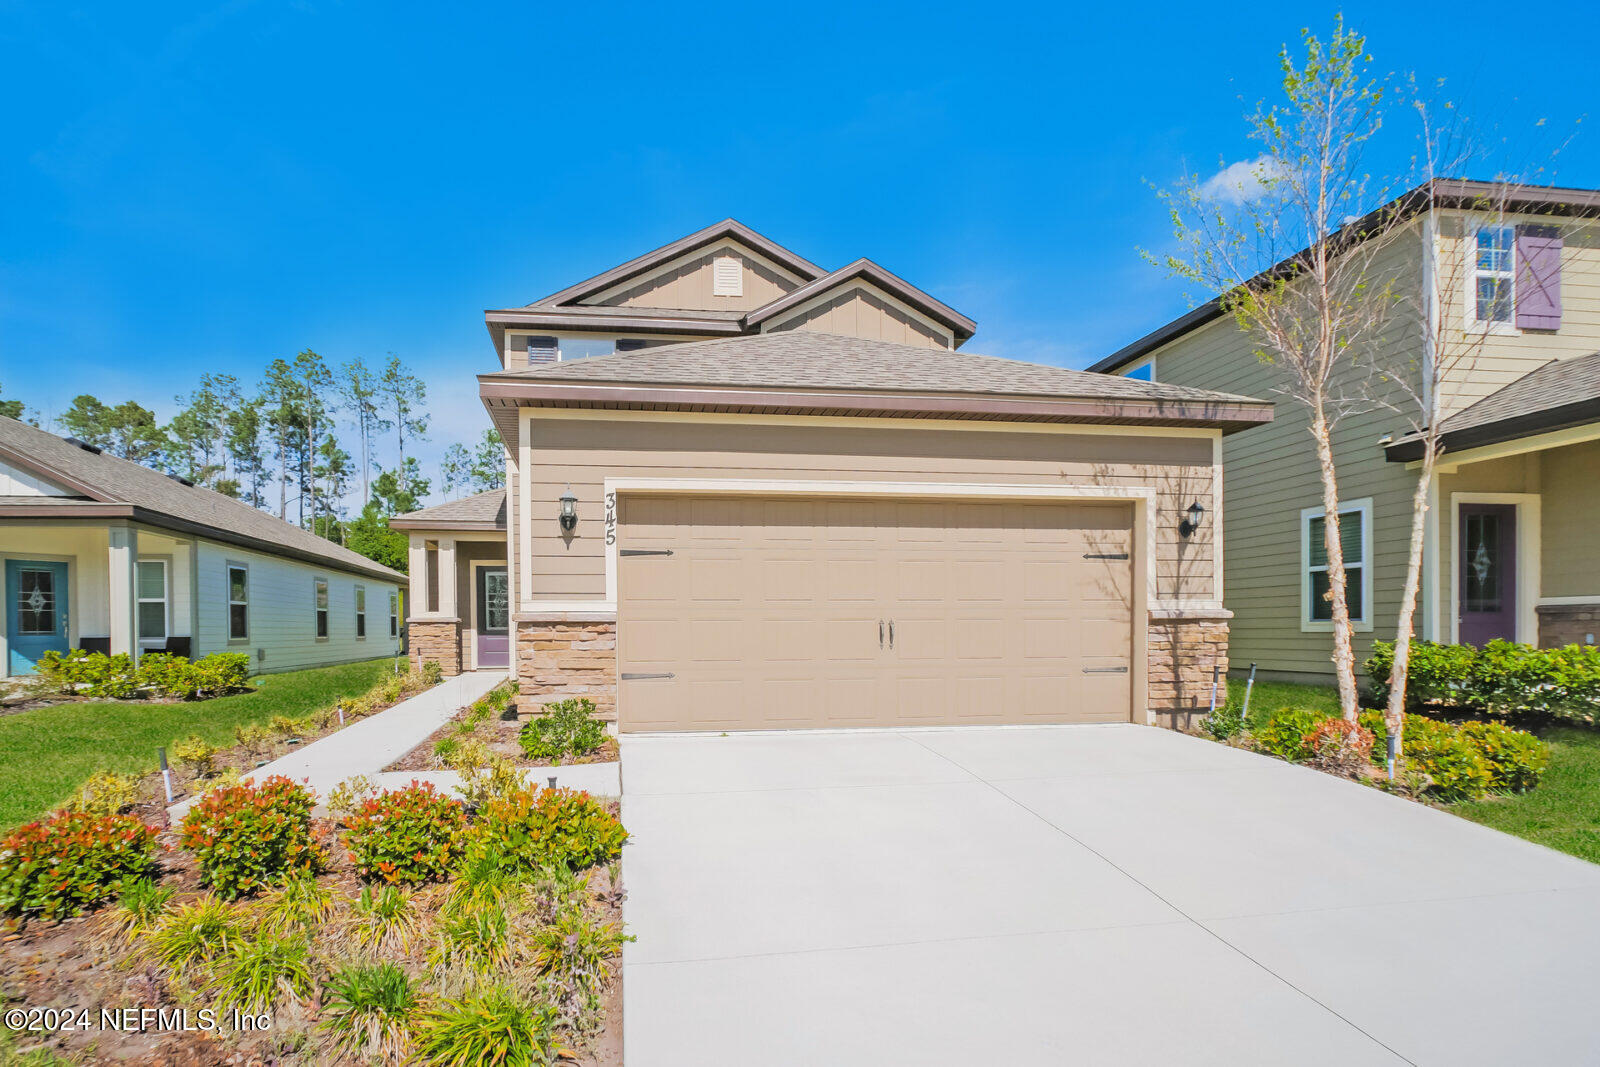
(1084, 894)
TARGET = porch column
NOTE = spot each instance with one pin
(121, 577)
(447, 577)
(418, 573)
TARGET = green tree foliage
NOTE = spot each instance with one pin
(11, 409)
(359, 389)
(128, 430)
(454, 468)
(403, 395)
(488, 469)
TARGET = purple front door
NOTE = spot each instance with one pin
(1488, 549)
(494, 618)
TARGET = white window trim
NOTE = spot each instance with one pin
(165, 563)
(1470, 305)
(321, 584)
(1529, 563)
(361, 612)
(394, 614)
(1309, 625)
(1147, 361)
(228, 568)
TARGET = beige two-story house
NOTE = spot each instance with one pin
(1509, 301)
(747, 492)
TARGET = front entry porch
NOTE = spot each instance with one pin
(460, 600)
(1519, 559)
(103, 587)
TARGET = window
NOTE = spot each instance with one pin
(238, 602)
(727, 276)
(1494, 273)
(322, 609)
(1143, 372)
(1355, 534)
(36, 601)
(394, 614)
(151, 588)
(585, 347)
(361, 613)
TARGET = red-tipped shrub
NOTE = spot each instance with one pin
(527, 829)
(246, 835)
(1339, 744)
(408, 836)
(72, 862)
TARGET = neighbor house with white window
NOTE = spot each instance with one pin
(1512, 284)
(106, 555)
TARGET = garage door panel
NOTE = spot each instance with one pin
(768, 612)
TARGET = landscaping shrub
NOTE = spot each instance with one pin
(72, 862)
(1516, 759)
(298, 904)
(198, 754)
(1455, 767)
(1287, 733)
(96, 674)
(1340, 745)
(493, 1025)
(407, 836)
(245, 835)
(196, 933)
(383, 917)
(526, 829)
(1223, 724)
(1502, 678)
(368, 1013)
(348, 795)
(256, 968)
(105, 793)
(567, 728)
(571, 954)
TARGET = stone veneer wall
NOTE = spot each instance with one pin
(1183, 648)
(435, 639)
(1568, 624)
(569, 655)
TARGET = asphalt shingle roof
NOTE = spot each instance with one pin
(803, 359)
(115, 480)
(488, 508)
(1556, 384)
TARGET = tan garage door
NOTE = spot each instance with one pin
(741, 613)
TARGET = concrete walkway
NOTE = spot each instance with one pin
(367, 746)
(1060, 895)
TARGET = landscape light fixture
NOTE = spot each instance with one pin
(1192, 523)
(569, 511)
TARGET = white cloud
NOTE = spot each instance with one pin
(1242, 182)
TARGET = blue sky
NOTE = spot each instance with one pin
(189, 188)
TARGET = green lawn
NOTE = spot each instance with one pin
(46, 753)
(1562, 813)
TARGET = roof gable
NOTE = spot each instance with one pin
(653, 261)
(865, 275)
(687, 282)
(17, 479)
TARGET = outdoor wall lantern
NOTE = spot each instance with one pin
(569, 511)
(1192, 523)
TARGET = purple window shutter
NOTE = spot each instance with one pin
(1538, 278)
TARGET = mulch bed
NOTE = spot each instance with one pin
(64, 965)
(501, 737)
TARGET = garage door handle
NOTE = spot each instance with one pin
(891, 634)
(1105, 555)
(1105, 670)
(633, 676)
(880, 633)
(645, 552)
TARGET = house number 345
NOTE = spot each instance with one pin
(611, 518)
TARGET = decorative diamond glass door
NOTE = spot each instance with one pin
(36, 612)
(1487, 547)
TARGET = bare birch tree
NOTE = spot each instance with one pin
(1416, 383)
(1292, 247)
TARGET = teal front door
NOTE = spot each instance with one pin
(36, 611)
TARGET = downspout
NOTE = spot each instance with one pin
(194, 600)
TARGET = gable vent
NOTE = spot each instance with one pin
(727, 276)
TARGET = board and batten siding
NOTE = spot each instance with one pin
(282, 611)
(585, 451)
(862, 311)
(687, 285)
(1270, 473)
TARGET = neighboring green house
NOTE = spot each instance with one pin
(1512, 547)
